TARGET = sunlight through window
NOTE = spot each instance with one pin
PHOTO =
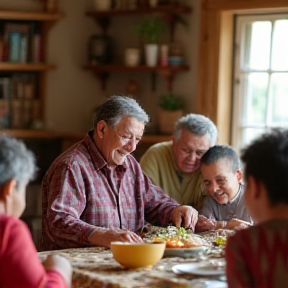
(260, 92)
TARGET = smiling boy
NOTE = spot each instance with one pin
(224, 205)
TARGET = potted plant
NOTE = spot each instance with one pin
(170, 110)
(151, 29)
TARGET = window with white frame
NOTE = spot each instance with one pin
(260, 90)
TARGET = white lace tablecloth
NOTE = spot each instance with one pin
(95, 267)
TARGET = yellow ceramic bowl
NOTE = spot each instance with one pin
(137, 255)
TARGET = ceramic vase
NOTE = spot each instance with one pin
(102, 4)
(167, 120)
(153, 3)
(151, 55)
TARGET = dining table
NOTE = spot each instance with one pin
(95, 267)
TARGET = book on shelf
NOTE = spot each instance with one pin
(4, 103)
(18, 101)
(4, 113)
(20, 42)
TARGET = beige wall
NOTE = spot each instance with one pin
(73, 93)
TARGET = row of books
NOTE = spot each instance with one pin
(20, 42)
(19, 106)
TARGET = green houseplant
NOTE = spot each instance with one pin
(171, 101)
(150, 30)
(170, 110)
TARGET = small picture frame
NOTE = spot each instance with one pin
(99, 50)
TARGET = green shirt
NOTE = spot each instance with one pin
(159, 165)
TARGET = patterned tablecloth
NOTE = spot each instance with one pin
(96, 267)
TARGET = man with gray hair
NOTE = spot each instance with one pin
(174, 165)
(96, 192)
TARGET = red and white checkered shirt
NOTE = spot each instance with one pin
(80, 197)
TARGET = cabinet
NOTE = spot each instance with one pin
(170, 14)
(23, 68)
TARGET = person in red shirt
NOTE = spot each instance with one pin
(19, 263)
(257, 257)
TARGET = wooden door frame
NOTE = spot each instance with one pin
(215, 64)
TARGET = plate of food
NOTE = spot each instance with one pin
(205, 283)
(180, 242)
(200, 268)
(184, 252)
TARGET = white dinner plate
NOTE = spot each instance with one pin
(184, 252)
(202, 269)
(204, 283)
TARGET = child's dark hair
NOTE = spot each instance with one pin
(266, 159)
(219, 152)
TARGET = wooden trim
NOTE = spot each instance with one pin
(214, 67)
(225, 74)
(224, 5)
(208, 64)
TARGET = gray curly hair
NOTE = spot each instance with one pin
(115, 107)
(197, 124)
(16, 161)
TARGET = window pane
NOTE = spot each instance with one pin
(257, 38)
(256, 98)
(261, 64)
(279, 95)
(280, 46)
(249, 134)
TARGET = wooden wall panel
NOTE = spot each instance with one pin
(208, 63)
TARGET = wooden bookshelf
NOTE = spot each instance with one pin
(21, 69)
(7, 66)
(31, 16)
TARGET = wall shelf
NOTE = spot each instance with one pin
(72, 137)
(7, 66)
(102, 72)
(32, 16)
(170, 14)
(170, 9)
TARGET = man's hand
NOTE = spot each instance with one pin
(104, 238)
(236, 224)
(185, 216)
(205, 224)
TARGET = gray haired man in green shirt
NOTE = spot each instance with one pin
(174, 165)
